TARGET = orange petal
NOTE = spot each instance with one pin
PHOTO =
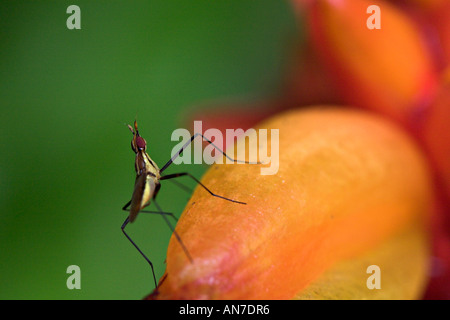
(432, 17)
(388, 70)
(347, 183)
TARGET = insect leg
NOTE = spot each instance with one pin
(176, 175)
(174, 232)
(134, 244)
(182, 186)
(210, 142)
(125, 208)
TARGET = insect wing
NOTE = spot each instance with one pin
(136, 199)
(144, 188)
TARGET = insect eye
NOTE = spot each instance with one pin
(140, 143)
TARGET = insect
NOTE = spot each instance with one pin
(148, 183)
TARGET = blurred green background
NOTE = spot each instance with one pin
(66, 167)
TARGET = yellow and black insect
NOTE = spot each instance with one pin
(147, 185)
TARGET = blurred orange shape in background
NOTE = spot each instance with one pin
(388, 70)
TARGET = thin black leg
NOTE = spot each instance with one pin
(134, 244)
(210, 142)
(175, 233)
(176, 175)
(125, 208)
(182, 186)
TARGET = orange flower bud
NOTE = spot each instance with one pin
(348, 184)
